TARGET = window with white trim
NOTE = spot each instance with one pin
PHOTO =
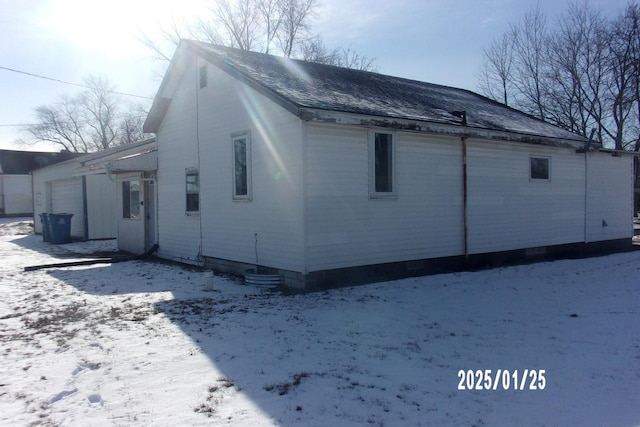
(192, 183)
(241, 147)
(539, 168)
(382, 165)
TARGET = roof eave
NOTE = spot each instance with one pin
(422, 126)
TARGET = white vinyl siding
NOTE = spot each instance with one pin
(610, 203)
(346, 228)
(101, 207)
(179, 234)
(15, 194)
(229, 228)
(507, 210)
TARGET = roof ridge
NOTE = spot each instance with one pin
(303, 86)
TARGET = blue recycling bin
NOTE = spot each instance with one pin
(46, 227)
(60, 225)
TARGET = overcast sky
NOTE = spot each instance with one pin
(439, 41)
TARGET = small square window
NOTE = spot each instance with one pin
(192, 191)
(539, 168)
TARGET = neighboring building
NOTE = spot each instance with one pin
(329, 175)
(15, 182)
(90, 188)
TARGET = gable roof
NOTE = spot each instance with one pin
(13, 162)
(308, 89)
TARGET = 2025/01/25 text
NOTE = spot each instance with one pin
(502, 379)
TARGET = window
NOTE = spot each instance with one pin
(241, 167)
(131, 199)
(193, 191)
(539, 168)
(381, 151)
(203, 76)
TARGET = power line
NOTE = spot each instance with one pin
(117, 117)
(70, 83)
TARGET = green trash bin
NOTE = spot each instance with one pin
(60, 228)
(46, 227)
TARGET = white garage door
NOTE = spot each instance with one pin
(67, 197)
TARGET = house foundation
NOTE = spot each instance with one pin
(351, 276)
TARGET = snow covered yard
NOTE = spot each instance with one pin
(146, 343)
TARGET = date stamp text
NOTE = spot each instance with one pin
(502, 379)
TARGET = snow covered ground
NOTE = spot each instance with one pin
(146, 343)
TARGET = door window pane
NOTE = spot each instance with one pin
(131, 199)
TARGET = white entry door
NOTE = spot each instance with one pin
(131, 214)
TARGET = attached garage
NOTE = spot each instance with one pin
(67, 196)
(87, 188)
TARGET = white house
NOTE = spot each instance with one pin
(91, 188)
(328, 175)
(16, 198)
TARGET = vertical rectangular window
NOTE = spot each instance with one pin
(382, 161)
(131, 199)
(241, 167)
(203, 76)
(539, 168)
(193, 191)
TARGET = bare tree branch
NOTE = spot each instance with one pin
(496, 76)
(90, 121)
(295, 22)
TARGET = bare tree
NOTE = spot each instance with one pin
(496, 75)
(93, 120)
(272, 13)
(352, 59)
(99, 109)
(240, 20)
(581, 73)
(295, 22)
(314, 50)
(60, 124)
(131, 123)
(624, 79)
(529, 38)
(168, 38)
(260, 25)
(578, 55)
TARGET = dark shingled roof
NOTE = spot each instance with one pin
(301, 84)
(22, 162)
